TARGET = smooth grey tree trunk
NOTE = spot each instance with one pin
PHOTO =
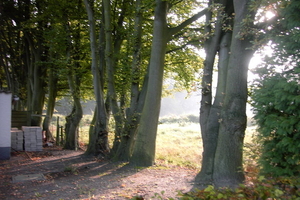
(73, 119)
(98, 140)
(209, 123)
(52, 89)
(210, 111)
(74, 80)
(224, 121)
(137, 98)
(144, 149)
(112, 50)
(130, 130)
(228, 166)
(37, 87)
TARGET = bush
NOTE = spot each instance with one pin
(276, 102)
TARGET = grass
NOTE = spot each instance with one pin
(179, 144)
(178, 140)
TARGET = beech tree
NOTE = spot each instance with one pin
(53, 90)
(23, 53)
(124, 70)
(124, 148)
(234, 39)
(74, 79)
(34, 46)
(98, 134)
(144, 149)
(223, 122)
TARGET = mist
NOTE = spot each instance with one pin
(180, 103)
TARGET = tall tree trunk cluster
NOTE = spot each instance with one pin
(98, 134)
(223, 119)
(22, 52)
(136, 126)
(29, 60)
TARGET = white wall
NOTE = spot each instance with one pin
(5, 125)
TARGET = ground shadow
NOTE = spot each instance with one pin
(73, 175)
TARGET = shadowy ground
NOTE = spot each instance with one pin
(72, 175)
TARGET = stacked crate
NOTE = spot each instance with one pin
(33, 138)
(17, 139)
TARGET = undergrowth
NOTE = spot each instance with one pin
(281, 188)
(261, 189)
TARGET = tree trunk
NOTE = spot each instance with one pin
(144, 149)
(112, 49)
(73, 120)
(52, 90)
(38, 73)
(37, 87)
(224, 128)
(129, 131)
(228, 166)
(211, 128)
(98, 143)
(74, 80)
(209, 123)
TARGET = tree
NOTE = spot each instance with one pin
(144, 149)
(14, 49)
(52, 89)
(62, 52)
(126, 138)
(126, 62)
(74, 80)
(34, 44)
(24, 51)
(112, 55)
(40, 54)
(223, 121)
(275, 96)
(98, 134)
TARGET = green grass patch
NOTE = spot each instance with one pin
(179, 144)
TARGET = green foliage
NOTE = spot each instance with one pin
(275, 98)
(276, 104)
(261, 188)
(183, 67)
(251, 154)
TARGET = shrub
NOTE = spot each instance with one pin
(276, 102)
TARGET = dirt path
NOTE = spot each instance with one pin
(71, 175)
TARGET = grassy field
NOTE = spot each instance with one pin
(178, 140)
(179, 144)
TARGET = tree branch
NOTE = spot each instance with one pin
(187, 22)
(183, 46)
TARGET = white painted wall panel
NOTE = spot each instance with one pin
(5, 119)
